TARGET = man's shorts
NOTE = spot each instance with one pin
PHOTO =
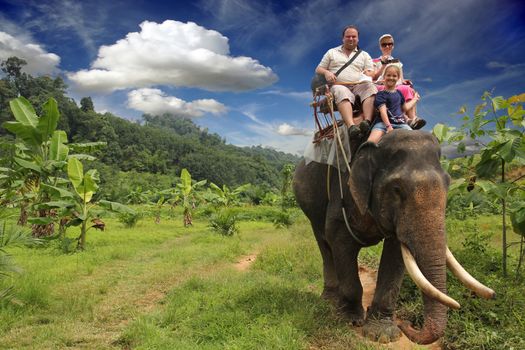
(381, 126)
(348, 92)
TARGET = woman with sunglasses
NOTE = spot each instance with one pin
(386, 44)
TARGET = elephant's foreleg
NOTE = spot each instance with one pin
(379, 323)
(345, 252)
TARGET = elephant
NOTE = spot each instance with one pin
(396, 192)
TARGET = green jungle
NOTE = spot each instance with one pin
(159, 235)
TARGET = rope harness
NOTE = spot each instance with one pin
(347, 163)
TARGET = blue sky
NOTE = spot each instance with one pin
(242, 68)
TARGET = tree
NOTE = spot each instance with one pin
(86, 104)
(85, 186)
(498, 125)
(287, 196)
(12, 67)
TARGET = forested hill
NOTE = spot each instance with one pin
(159, 144)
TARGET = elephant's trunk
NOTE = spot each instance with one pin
(434, 297)
(421, 230)
(429, 258)
(434, 324)
(432, 282)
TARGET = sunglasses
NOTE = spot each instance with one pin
(387, 44)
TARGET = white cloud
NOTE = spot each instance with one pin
(451, 150)
(304, 95)
(496, 65)
(155, 102)
(283, 137)
(286, 129)
(39, 61)
(259, 135)
(173, 53)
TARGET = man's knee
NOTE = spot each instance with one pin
(365, 91)
(344, 101)
(369, 99)
(342, 93)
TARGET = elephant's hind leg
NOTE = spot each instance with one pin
(345, 253)
(330, 285)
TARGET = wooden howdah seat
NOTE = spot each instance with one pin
(324, 115)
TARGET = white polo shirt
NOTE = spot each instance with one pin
(335, 58)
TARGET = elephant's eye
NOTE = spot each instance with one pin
(397, 191)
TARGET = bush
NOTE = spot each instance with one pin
(224, 223)
(205, 211)
(129, 220)
(282, 219)
(11, 236)
(465, 205)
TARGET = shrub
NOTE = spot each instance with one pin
(224, 223)
(205, 211)
(129, 220)
(11, 236)
(282, 219)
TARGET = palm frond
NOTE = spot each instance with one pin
(15, 236)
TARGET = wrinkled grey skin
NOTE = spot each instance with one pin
(397, 192)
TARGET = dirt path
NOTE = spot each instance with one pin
(244, 262)
(144, 300)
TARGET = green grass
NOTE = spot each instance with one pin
(163, 286)
(166, 286)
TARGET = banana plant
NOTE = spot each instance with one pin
(187, 191)
(77, 207)
(158, 208)
(41, 154)
(172, 197)
(226, 196)
(85, 186)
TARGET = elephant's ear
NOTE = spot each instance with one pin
(361, 175)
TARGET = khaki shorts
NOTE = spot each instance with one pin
(349, 92)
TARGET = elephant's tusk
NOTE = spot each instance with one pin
(422, 283)
(465, 278)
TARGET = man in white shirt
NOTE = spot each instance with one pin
(362, 67)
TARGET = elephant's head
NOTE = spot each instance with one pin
(401, 183)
